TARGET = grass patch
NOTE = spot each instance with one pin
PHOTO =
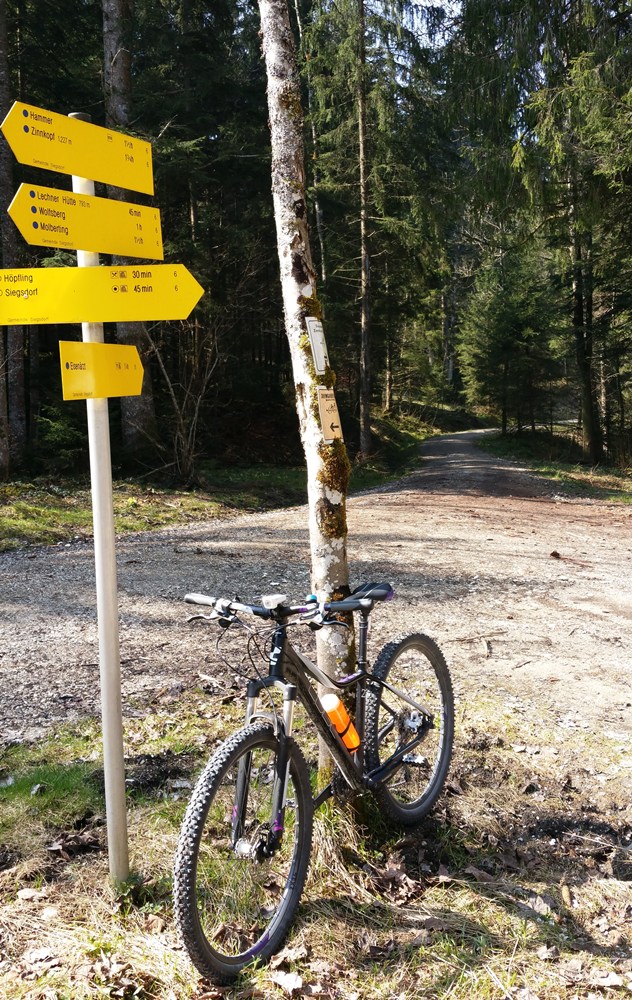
(517, 884)
(31, 795)
(557, 458)
(44, 812)
(44, 511)
(40, 512)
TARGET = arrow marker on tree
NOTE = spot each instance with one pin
(329, 417)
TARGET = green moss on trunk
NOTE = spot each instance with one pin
(336, 468)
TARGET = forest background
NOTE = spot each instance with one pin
(469, 196)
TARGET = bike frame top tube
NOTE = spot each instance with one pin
(288, 666)
(296, 668)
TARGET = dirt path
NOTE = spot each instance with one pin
(528, 595)
(527, 592)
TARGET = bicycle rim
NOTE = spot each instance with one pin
(415, 666)
(233, 904)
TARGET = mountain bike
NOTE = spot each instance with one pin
(245, 842)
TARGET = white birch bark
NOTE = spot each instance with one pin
(327, 464)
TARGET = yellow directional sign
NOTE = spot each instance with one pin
(329, 416)
(50, 218)
(70, 146)
(96, 371)
(97, 294)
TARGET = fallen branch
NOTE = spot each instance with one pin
(481, 635)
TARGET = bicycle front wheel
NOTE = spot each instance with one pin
(416, 740)
(233, 900)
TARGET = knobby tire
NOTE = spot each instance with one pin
(415, 665)
(233, 908)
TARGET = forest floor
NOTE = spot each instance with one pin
(518, 886)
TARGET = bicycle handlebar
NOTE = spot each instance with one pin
(223, 606)
(362, 599)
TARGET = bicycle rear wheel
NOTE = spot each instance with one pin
(233, 904)
(414, 665)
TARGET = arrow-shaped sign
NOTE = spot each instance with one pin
(50, 218)
(329, 418)
(97, 294)
(96, 371)
(70, 146)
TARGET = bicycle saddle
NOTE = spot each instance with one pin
(376, 591)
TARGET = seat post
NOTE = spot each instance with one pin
(363, 631)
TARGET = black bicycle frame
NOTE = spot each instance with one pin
(289, 669)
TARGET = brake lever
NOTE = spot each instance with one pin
(336, 621)
(313, 619)
(318, 618)
(223, 620)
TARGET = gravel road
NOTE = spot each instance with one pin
(527, 592)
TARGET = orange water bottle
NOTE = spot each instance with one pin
(340, 718)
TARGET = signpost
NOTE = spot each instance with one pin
(50, 218)
(99, 371)
(71, 146)
(97, 294)
(329, 416)
(91, 370)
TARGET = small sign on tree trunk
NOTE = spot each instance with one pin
(319, 347)
(329, 416)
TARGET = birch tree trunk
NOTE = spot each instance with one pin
(327, 464)
(318, 211)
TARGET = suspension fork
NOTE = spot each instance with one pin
(284, 742)
(284, 737)
(282, 776)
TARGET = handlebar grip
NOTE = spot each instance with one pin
(200, 599)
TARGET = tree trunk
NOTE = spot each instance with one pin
(388, 375)
(365, 271)
(504, 396)
(16, 374)
(13, 425)
(318, 211)
(583, 333)
(138, 415)
(4, 417)
(327, 464)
